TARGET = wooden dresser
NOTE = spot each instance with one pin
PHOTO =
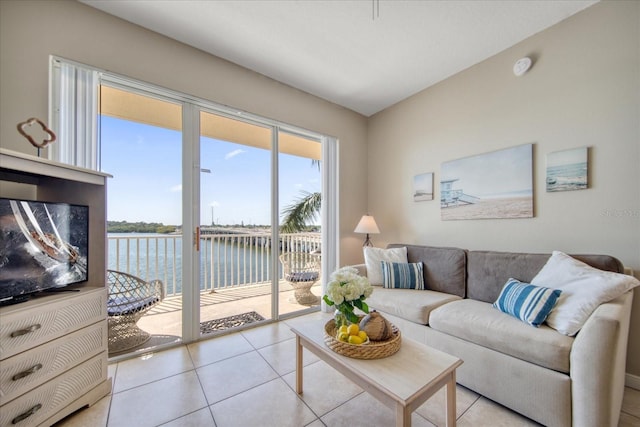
(53, 348)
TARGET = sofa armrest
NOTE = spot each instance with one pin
(597, 364)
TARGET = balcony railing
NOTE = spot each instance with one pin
(226, 260)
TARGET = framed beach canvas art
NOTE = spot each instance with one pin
(491, 185)
(567, 170)
(423, 187)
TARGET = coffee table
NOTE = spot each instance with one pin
(402, 381)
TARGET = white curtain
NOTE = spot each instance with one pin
(330, 212)
(74, 114)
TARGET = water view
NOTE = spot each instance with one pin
(226, 260)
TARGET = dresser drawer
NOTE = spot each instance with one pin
(44, 401)
(49, 318)
(31, 368)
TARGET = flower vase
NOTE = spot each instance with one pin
(340, 319)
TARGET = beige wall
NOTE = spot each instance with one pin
(583, 90)
(30, 31)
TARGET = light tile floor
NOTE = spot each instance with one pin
(247, 379)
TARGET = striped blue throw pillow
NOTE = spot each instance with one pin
(399, 275)
(529, 303)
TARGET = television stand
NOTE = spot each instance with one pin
(54, 346)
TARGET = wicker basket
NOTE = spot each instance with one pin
(372, 350)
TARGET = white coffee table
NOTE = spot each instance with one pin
(402, 381)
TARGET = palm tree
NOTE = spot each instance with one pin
(303, 210)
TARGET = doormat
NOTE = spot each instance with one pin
(229, 322)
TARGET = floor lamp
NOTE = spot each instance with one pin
(367, 225)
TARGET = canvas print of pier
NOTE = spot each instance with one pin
(423, 187)
(491, 185)
(567, 170)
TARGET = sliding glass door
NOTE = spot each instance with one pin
(236, 214)
(300, 201)
(235, 226)
(141, 147)
(259, 222)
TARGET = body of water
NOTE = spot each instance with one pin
(223, 262)
(567, 177)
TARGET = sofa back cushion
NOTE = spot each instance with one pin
(444, 269)
(488, 271)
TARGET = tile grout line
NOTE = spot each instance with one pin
(286, 384)
(208, 406)
(115, 375)
(469, 407)
(635, 417)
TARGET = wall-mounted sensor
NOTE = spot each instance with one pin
(521, 66)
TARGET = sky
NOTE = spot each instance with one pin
(493, 174)
(146, 164)
(567, 157)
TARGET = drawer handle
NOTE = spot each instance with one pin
(25, 331)
(27, 414)
(27, 372)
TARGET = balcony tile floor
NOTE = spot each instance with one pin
(166, 318)
(247, 379)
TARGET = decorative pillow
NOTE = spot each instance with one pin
(373, 256)
(583, 287)
(531, 304)
(396, 275)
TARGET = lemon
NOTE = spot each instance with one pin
(354, 339)
(343, 329)
(353, 329)
(343, 336)
(362, 335)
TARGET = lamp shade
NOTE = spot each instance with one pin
(367, 225)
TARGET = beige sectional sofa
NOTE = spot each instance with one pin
(554, 379)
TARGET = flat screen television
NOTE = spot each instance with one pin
(44, 246)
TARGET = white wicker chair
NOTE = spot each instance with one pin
(130, 298)
(302, 271)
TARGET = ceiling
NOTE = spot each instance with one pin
(362, 54)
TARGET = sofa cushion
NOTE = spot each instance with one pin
(489, 270)
(531, 304)
(302, 276)
(397, 275)
(583, 287)
(478, 322)
(444, 269)
(373, 258)
(123, 306)
(409, 304)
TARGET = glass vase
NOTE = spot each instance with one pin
(340, 319)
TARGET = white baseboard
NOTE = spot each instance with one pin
(632, 381)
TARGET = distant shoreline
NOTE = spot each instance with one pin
(510, 207)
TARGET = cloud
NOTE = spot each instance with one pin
(214, 204)
(176, 188)
(234, 153)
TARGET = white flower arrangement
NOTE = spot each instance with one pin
(348, 290)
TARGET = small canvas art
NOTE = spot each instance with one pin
(423, 187)
(491, 185)
(567, 170)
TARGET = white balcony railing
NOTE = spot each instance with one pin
(226, 260)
